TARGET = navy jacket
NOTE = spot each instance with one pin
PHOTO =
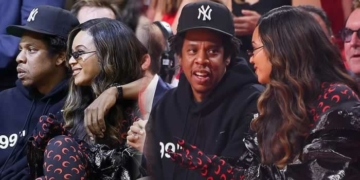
(161, 88)
(20, 110)
(15, 12)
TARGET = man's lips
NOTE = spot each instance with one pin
(20, 73)
(201, 76)
(201, 73)
(20, 70)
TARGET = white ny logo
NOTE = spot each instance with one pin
(32, 15)
(205, 12)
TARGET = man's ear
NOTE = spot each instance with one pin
(227, 61)
(146, 62)
(179, 59)
(61, 58)
(333, 39)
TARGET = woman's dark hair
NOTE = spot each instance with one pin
(119, 54)
(302, 58)
(131, 12)
(231, 44)
(321, 13)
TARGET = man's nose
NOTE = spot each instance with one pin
(355, 41)
(21, 58)
(201, 57)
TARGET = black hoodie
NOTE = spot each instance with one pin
(217, 125)
(20, 110)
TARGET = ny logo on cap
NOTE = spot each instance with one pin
(206, 13)
(32, 15)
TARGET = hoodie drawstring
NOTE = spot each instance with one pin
(186, 120)
(17, 143)
(47, 107)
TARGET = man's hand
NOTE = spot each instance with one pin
(94, 114)
(246, 24)
(136, 135)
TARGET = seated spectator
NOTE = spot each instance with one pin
(307, 126)
(86, 10)
(212, 105)
(155, 89)
(15, 13)
(41, 88)
(152, 89)
(102, 53)
(351, 37)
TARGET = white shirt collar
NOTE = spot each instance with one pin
(148, 96)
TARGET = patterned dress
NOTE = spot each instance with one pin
(331, 151)
(55, 153)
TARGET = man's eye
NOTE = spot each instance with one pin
(32, 50)
(213, 51)
(191, 51)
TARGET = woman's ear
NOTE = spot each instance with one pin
(146, 61)
(61, 58)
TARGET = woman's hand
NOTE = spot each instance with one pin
(94, 114)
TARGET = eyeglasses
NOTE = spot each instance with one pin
(347, 33)
(76, 55)
(251, 52)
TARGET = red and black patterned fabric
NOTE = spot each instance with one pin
(330, 151)
(194, 159)
(332, 95)
(63, 156)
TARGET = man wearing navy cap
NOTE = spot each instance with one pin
(212, 107)
(15, 12)
(41, 87)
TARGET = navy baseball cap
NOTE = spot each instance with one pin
(46, 20)
(206, 15)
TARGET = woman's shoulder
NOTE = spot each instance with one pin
(331, 95)
(336, 108)
(336, 93)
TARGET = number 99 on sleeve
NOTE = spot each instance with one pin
(6, 141)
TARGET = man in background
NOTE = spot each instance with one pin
(86, 10)
(351, 37)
